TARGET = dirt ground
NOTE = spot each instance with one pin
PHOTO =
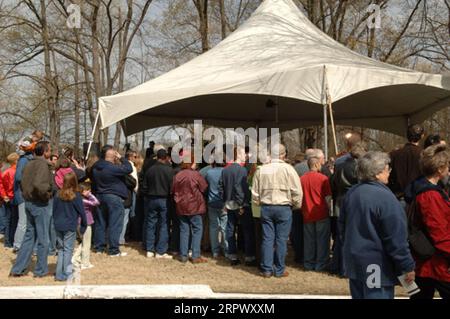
(218, 274)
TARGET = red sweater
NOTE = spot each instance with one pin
(2, 188)
(188, 188)
(316, 187)
(8, 181)
(436, 217)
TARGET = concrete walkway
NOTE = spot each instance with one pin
(137, 292)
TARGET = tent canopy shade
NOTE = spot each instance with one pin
(250, 110)
(279, 54)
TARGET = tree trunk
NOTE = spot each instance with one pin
(202, 9)
(223, 19)
(77, 112)
(49, 85)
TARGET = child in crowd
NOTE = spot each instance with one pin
(67, 209)
(61, 169)
(82, 253)
(28, 143)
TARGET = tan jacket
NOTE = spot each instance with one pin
(277, 183)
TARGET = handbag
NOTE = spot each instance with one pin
(418, 238)
(130, 182)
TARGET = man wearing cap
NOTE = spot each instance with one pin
(156, 186)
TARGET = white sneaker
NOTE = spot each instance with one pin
(164, 256)
(87, 267)
(119, 255)
(150, 254)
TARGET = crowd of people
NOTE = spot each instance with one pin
(341, 216)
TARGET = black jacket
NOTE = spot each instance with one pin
(157, 181)
(405, 168)
(233, 185)
(344, 177)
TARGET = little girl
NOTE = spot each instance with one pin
(61, 169)
(82, 253)
(67, 208)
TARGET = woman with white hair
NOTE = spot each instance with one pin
(374, 233)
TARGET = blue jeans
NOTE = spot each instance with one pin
(186, 222)
(248, 230)
(276, 224)
(2, 219)
(317, 245)
(337, 262)
(37, 231)
(129, 212)
(359, 290)
(156, 213)
(21, 226)
(10, 224)
(111, 209)
(126, 218)
(173, 224)
(65, 242)
(52, 233)
(217, 226)
(144, 227)
(297, 235)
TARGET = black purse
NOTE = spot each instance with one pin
(130, 182)
(419, 241)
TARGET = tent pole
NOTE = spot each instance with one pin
(143, 142)
(330, 106)
(325, 119)
(325, 131)
(92, 134)
(277, 114)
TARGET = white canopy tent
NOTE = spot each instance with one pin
(278, 54)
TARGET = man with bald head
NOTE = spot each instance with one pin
(109, 185)
(277, 189)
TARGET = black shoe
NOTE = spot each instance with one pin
(13, 275)
(44, 276)
(235, 262)
(251, 263)
(183, 259)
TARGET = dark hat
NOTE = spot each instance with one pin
(161, 154)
